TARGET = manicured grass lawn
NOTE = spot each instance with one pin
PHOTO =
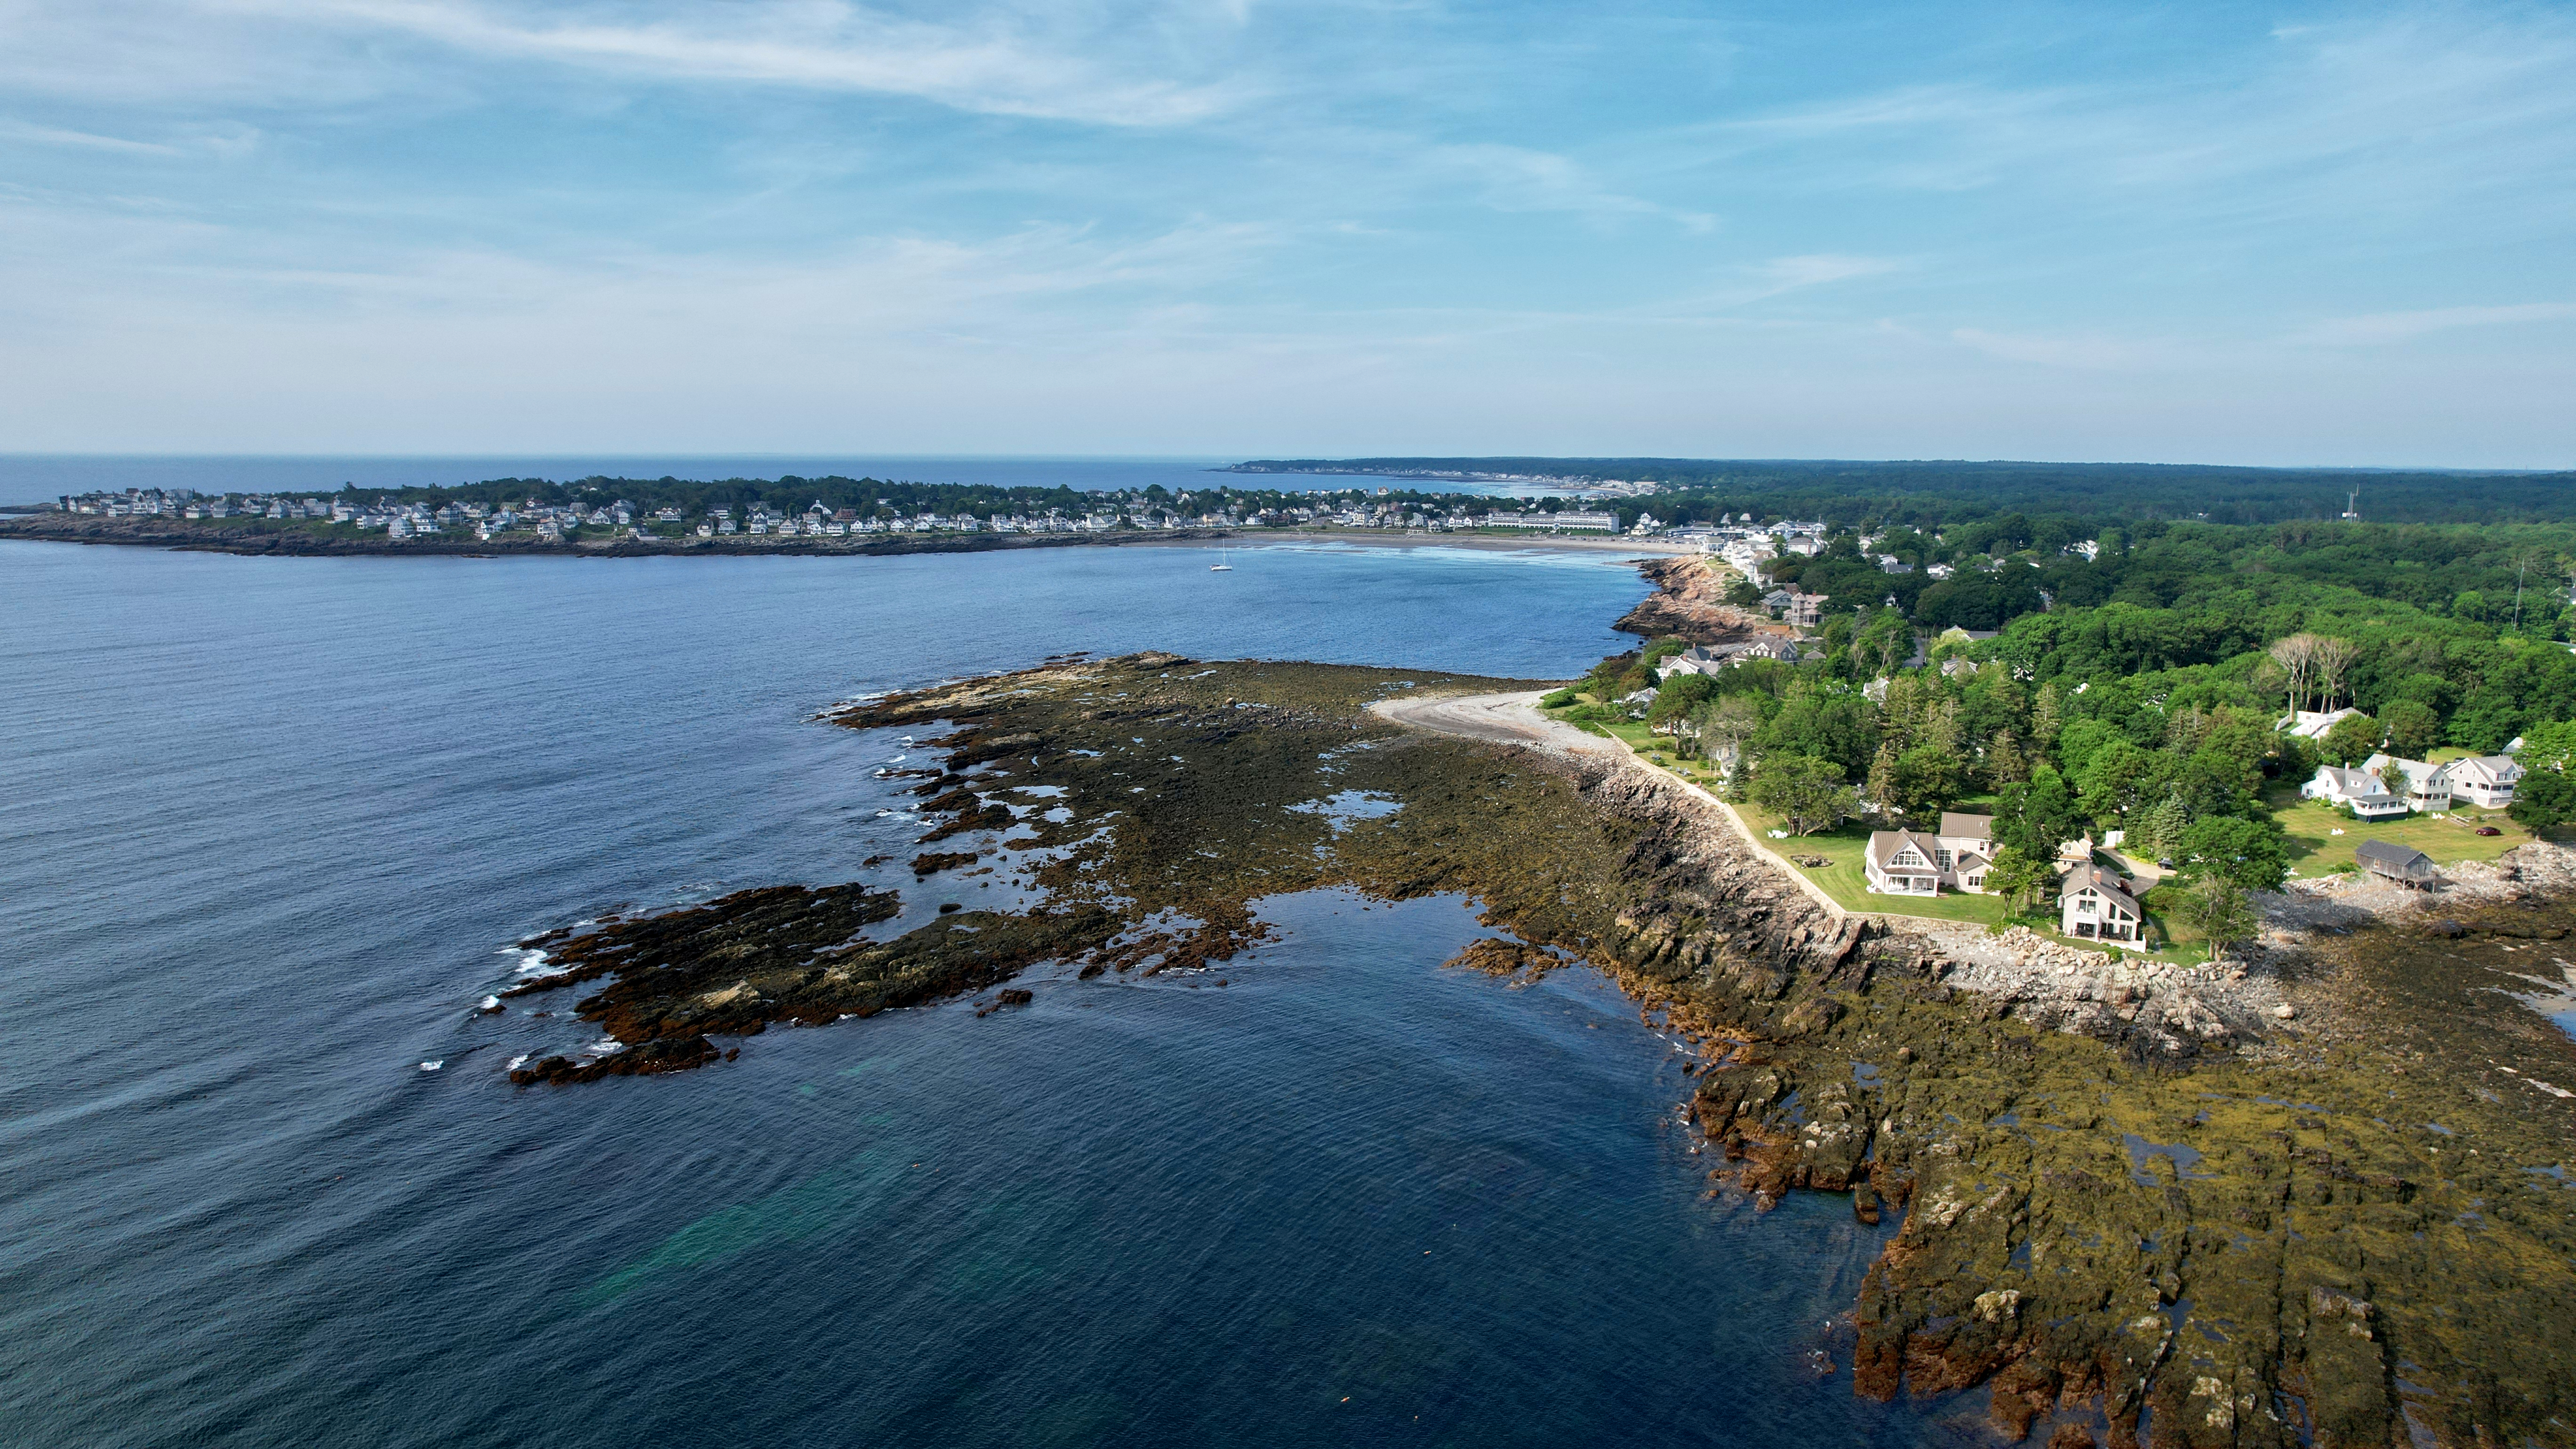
(2314, 849)
(1847, 847)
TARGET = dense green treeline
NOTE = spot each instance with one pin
(2143, 689)
(1930, 494)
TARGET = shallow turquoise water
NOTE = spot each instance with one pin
(272, 823)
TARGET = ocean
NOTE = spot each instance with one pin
(27, 478)
(273, 825)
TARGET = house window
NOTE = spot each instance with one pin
(2084, 907)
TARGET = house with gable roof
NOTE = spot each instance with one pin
(2487, 780)
(2358, 789)
(1920, 863)
(2094, 904)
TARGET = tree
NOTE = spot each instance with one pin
(2353, 739)
(2297, 658)
(2019, 877)
(1730, 722)
(2548, 747)
(2038, 817)
(2411, 727)
(2544, 799)
(1879, 789)
(2251, 853)
(2157, 831)
(2004, 762)
(1927, 779)
(1805, 792)
(2047, 717)
(2334, 662)
(2216, 907)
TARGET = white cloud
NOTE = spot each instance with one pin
(2381, 328)
(2087, 353)
(1790, 273)
(995, 62)
(83, 140)
(1517, 178)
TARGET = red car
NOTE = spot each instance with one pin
(2489, 830)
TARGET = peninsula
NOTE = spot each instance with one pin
(2280, 1172)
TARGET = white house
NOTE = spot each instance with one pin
(2359, 789)
(2310, 724)
(2425, 787)
(1900, 863)
(2487, 780)
(2095, 905)
(1916, 863)
(1968, 843)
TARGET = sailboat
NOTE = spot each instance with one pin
(1221, 566)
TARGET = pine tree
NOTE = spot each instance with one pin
(1881, 785)
(2047, 717)
(2004, 762)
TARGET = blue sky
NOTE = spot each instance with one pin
(2215, 233)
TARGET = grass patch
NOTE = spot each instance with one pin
(2314, 849)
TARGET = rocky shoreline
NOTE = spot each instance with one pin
(1690, 602)
(2142, 1203)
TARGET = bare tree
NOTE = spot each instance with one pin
(2297, 656)
(2334, 660)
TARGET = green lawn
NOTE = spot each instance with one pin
(2314, 848)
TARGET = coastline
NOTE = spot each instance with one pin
(304, 543)
(2132, 1191)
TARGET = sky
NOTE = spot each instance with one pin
(2237, 232)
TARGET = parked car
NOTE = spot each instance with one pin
(2489, 830)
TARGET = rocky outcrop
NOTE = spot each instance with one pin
(2162, 1203)
(1690, 601)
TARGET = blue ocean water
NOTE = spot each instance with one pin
(37, 478)
(271, 824)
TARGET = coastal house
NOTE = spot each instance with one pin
(2487, 780)
(1900, 863)
(1920, 863)
(2358, 789)
(1966, 847)
(2407, 866)
(2310, 724)
(2094, 904)
(2425, 787)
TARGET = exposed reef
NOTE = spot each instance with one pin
(2140, 1204)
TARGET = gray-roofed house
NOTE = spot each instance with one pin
(2402, 864)
(2487, 780)
(2095, 905)
(2359, 789)
(1902, 863)
(2425, 786)
(1966, 845)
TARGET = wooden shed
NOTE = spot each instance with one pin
(2402, 864)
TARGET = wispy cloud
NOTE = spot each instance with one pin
(2084, 353)
(1517, 178)
(995, 62)
(2381, 328)
(1788, 274)
(83, 140)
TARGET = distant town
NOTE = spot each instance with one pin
(622, 518)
